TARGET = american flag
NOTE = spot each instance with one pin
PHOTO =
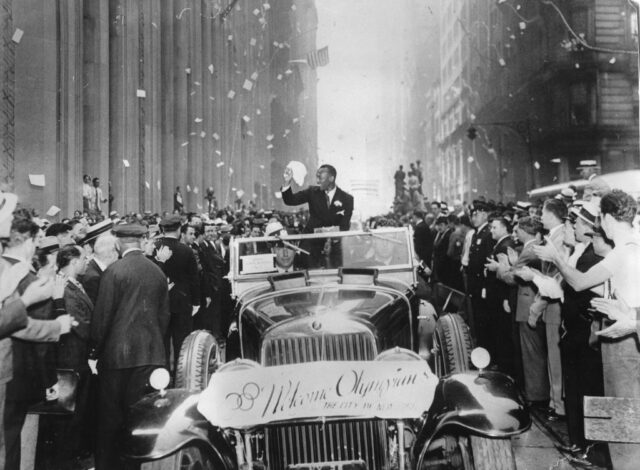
(318, 58)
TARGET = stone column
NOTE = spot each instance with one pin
(95, 158)
(149, 80)
(180, 94)
(195, 115)
(7, 84)
(124, 117)
(47, 103)
(167, 66)
(207, 104)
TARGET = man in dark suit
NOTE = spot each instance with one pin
(441, 263)
(423, 236)
(498, 296)
(481, 247)
(127, 330)
(181, 268)
(210, 315)
(329, 206)
(104, 254)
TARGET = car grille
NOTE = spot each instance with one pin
(294, 350)
(331, 441)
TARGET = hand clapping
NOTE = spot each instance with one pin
(547, 252)
(618, 311)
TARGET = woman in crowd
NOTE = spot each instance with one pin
(73, 354)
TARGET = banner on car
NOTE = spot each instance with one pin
(256, 396)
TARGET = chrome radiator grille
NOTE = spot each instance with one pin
(339, 441)
(332, 441)
(294, 350)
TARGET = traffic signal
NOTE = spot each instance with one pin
(472, 133)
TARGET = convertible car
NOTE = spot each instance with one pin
(333, 362)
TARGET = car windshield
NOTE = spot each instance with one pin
(345, 249)
(363, 301)
(389, 250)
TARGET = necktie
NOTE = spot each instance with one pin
(326, 197)
(97, 200)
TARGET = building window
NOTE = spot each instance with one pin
(580, 104)
(580, 23)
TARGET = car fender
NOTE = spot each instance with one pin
(484, 403)
(159, 425)
(427, 319)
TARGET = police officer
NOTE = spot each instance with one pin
(482, 244)
(127, 330)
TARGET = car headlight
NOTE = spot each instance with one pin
(480, 358)
(159, 380)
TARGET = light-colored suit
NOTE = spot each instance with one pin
(551, 315)
(532, 340)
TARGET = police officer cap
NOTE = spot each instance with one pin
(522, 206)
(130, 231)
(480, 206)
(171, 221)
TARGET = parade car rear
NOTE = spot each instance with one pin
(332, 372)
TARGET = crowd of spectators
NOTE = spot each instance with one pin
(551, 292)
(534, 276)
(51, 274)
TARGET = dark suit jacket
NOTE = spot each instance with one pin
(131, 315)
(441, 263)
(526, 290)
(338, 213)
(423, 239)
(481, 247)
(498, 290)
(182, 270)
(73, 348)
(576, 303)
(90, 280)
(212, 268)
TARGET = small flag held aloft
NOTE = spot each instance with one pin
(318, 58)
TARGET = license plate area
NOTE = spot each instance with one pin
(342, 465)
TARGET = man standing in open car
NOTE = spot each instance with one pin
(329, 208)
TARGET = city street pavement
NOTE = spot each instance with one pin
(535, 450)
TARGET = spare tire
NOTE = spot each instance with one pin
(198, 360)
(452, 344)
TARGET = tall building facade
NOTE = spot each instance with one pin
(150, 95)
(542, 86)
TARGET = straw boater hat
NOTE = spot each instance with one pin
(96, 230)
(274, 228)
(589, 213)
